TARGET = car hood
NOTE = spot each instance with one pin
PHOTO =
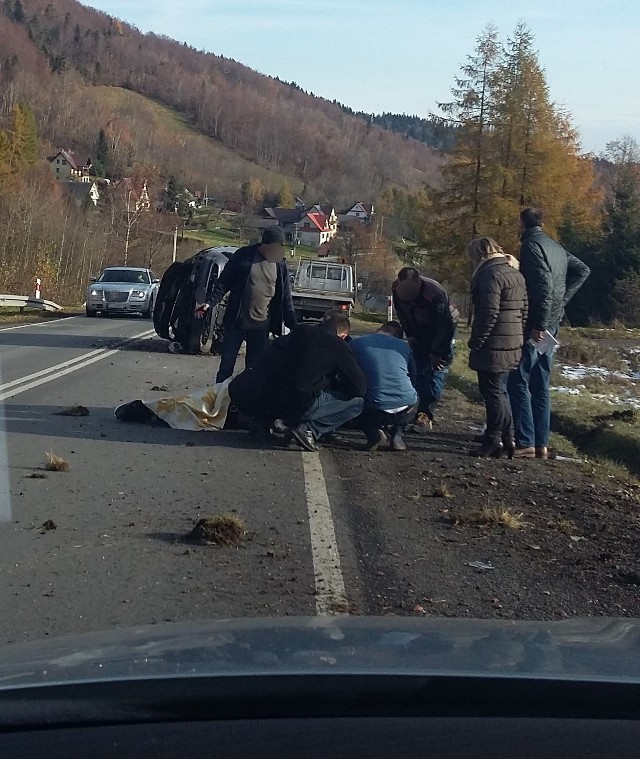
(577, 649)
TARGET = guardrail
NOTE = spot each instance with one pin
(25, 301)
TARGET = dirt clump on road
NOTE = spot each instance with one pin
(561, 535)
(221, 530)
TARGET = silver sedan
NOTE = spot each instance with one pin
(122, 290)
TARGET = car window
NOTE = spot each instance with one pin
(130, 276)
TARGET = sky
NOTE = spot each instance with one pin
(402, 56)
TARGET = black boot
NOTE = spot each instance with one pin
(487, 450)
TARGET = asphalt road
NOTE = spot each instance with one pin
(335, 532)
(133, 491)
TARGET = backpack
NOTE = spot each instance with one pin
(173, 313)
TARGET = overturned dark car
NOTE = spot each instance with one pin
(185, 284)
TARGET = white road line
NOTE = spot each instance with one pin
(38, 324)
(66, 367)
(331, 597)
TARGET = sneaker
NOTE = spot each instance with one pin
(375, 441)
(542, 453)
(303, 435)
(279, 426)
(175, 348)
(422, 424)
(397, 443)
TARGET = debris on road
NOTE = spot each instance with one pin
(55, 463)
(73, 411)
(222, 530)
(481, 566)
(47, 526)
(442, 491)
(159, 388)
(491, 516)
(37, 476)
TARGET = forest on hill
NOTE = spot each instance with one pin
(161, 115)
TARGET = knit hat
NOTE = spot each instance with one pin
(273, 234)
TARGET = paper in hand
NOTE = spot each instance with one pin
(548, 344)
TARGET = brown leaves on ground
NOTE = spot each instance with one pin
(562, 525)
(442, 491)
(55, 463)
(221, 530)
(491, 516)
(47, 526)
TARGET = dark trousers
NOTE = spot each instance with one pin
(256, 340)
(429, 384)
(330, 411)
(373, 419)
(493, 388)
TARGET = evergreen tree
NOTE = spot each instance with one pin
(102, 155)
(7, 8)
(18, 12)
(468, 179)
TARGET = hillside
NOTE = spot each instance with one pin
(51, 53)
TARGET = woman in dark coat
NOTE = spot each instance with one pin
(499, 297)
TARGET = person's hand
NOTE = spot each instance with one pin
(201, 310)
(538, 334)
(437, 363)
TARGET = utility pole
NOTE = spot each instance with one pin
(175, 243)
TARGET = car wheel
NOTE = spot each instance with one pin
(148, 314)
(90, 312)
(201, 340)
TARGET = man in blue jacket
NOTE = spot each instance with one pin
(391, 400)
(257, 280)
(553, 276)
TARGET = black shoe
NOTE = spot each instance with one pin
(397, 443)
(487, 451)
(136, 411)
(375, 440)
(304, 436)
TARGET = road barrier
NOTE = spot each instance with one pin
(26, 301)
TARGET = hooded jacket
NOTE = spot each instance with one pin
(499, 298)
(553, 277)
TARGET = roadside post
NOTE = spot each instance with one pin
(38, 293)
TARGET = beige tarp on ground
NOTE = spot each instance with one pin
(203, 409)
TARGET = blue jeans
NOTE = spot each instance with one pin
(528, 387)
(256, 340)
(330, 411)
(429, 385)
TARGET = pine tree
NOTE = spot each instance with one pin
(31, 135)
(7, 8)
(18, 13)
(102, 155)
(467, 176)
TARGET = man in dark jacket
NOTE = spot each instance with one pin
(429, 322)
(309, 378)
(257, 280)
(552, 276)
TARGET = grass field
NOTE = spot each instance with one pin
(598, 415)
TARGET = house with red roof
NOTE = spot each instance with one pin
(315, 229)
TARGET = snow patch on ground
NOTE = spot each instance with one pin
(580, 371)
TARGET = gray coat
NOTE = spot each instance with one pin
(499, 298)
(553, 277)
